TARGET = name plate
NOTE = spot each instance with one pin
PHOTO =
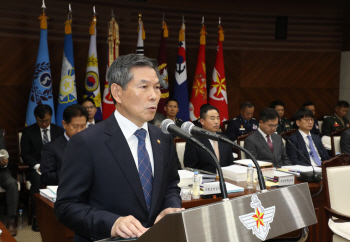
(286, 180)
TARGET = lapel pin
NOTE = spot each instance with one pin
(158, 141)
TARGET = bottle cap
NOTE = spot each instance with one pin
(195, 172)
(249, 165)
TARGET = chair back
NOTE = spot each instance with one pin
(240, 142)
(288, 134)
(335, 181)
(320, 122)
(19, 136)
(180, 149)
(335, 141)
(224, 126)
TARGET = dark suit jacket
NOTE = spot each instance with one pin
(32, 143)
(99, 181)
(257, 145)
(51, 160)
(345, 142)
(298, 141)
(195, 157)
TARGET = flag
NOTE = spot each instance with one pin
(218, 93)
(41, 91)
(180, 88)
(92, 81)
(163, 70)
(199, 87)
(141, 37)
(68, 91)
(113, 52)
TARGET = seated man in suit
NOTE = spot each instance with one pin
(198, 121)
(266, 145)
(284, 124)
(345, 142)
(8, 183)
(308, 144)
(89, 104)
(32, 141)
(315, 129)
(195, 157)
(242, 124)
(74, 120)
(337, 120)
(118, 178)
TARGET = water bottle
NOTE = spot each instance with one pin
(250, 176)
(196, 188)
(20, 219)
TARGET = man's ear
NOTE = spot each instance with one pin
(116, 92)
(297, 122)
(201, 121)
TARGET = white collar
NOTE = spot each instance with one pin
(303, 134)
(48, 128)
(128, 128)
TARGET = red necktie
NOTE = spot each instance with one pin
(269, 142)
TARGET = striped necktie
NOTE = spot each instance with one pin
(45, 137)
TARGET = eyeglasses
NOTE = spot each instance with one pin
(308, 120)
(89, 107)
(40, 121)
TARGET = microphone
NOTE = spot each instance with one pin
(4, 154)
(168, 126)
(194, 130)
(305, 176)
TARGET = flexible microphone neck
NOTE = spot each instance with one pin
(192, 129)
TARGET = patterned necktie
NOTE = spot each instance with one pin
(216, 149)
(269, 142)
(90, 125)
(313, 152)
(45, 137)
(145, 168)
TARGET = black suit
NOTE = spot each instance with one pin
(197, 158)
(298, 141)
(31, 148)
(99, 181)
(345, 142)
(51, 160)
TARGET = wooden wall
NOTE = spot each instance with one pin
(258, 67)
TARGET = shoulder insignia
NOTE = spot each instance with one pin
(254, 118)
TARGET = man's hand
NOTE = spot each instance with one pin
(4, 162)
(166, 211)
(127, 227)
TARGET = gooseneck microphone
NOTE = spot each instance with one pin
(305, 176)
(168, 126)
(190, 128)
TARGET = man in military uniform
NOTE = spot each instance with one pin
(172, 108)
(337, 120)
(284, 124)
(242, 124)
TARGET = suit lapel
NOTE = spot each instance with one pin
(275, 143)
(37, 137)
(303, 145)
(157, 149)
(262, 140)
(121, 151)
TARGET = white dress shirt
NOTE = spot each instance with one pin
(307, 143)
(88, 123)
(264, 135)
(128, 129)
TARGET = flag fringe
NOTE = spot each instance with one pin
(203, 33)
(43, 22)
(221, 34)
(166, 31)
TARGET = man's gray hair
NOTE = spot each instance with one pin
(119, 72)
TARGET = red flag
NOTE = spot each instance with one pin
(218, 93)
(113, 52)
(199, 87)
(163, 69)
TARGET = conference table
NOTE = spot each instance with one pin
(53, 231)
(5, 235)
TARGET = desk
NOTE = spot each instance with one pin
(315, 234)
(6, 236)
(51, 230)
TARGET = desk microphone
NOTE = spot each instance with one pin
(196, 131)
(4, 154)
(168, 126)
(305, 176)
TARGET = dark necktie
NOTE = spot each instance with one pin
(45, 137)
(269, 142)
(145, 168)
(90, 125)
(313, 152)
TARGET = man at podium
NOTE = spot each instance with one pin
(119, 177)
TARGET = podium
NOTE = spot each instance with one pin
(250, 218)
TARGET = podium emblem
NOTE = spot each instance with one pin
(259, 220)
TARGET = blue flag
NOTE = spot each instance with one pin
(180, 88)
(68, 92)
(41, 91)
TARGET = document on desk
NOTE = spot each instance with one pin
(299, 168)
(117, 239)
(47, 193)
(246, 162)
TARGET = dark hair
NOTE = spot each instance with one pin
(88, 99)
(247, 105)
(75, 110)
(41, 110)
(308, 103)
(158, 119)
(303, 113)
(342, 104)
(203, 111)
(204, 105)
(276, 103)
(268, 114)
(171, 99)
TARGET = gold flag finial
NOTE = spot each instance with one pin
(93, 22)
(140, 16)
